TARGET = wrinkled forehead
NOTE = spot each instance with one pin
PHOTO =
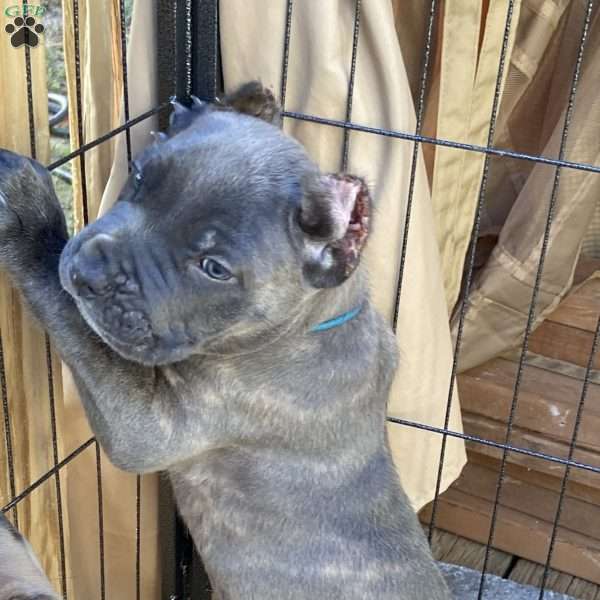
(231, 162)
(225, 177)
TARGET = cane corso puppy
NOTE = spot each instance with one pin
(218, 326)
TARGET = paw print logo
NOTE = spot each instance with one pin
(24, 32)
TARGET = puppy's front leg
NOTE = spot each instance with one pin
(21, 575)
(131, 408)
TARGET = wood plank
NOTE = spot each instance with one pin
(585, 268)
(553, 386)
(521, 438)
(516, 533)
(581, 307)
(471, 554)
(523, 496)
(441, 543)
(547, 401)
(530, 573)
(449, 548)
(569, 344)
(586, 590)
(541, 480)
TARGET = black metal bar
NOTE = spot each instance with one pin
(31, 114)
(138, 500)
(29, 79)
(78, 100)
(471, 259)
(498, 445)
(184, 556)
(55, 460)
(167, 513)
(572, 446)
(198, 73)
(100, 521)
(536, 287)
(578, 166)
(166, 61)
(286, 52)
(30, 488)
(205, 75)
(183, 49)
(200, 588)
(125, 76)
(8, 434)
(401, 135)
(350, 95)
(413, 168)
(138, 537)
(107, 136)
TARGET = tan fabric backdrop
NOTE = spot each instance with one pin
(531, 120)
(466, 92)
(540, 59)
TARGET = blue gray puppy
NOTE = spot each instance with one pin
(188, 315)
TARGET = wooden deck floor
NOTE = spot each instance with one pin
(450, 548)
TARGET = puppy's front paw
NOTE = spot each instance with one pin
(32, 223)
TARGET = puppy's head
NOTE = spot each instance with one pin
(223, 229)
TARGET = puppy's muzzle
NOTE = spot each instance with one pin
(90, 269)
(95, 277)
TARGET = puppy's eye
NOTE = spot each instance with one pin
(215, 270)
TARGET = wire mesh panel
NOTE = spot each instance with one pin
(66, 166)
(491, 152)
(189, 63)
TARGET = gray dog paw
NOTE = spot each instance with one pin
(31, 220)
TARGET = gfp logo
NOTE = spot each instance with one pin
(24, 29)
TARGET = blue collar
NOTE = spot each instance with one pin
(336, 321)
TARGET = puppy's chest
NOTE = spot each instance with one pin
(215, 499)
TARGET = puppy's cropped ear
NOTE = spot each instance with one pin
(335, 217)
(182, 116)
(251, 99)
(255, 100)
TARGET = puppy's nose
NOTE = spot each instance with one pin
(90, 273)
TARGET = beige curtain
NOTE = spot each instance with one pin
(531, 120)
(541, 54)
(466, 93)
